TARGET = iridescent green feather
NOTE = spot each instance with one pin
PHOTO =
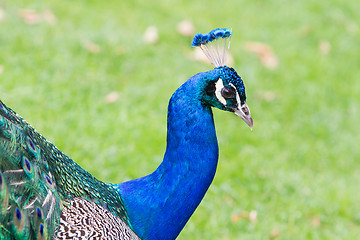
(38, 179)
(24, 183)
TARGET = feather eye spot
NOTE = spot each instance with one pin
(41, 229)
(18, 214)
(27, 165)
(1, 179)
(38, 212)
(31, 144)
(49, 182)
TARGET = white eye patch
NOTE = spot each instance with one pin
(218, 86)
(237, 95)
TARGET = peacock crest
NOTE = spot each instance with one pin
(214, 44)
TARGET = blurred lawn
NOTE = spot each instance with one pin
(297, 172)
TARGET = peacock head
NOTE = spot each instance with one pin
(224, 88)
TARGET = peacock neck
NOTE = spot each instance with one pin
(161, 203)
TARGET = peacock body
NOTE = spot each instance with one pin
(45, 195)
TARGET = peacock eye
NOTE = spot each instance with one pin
(227, 92)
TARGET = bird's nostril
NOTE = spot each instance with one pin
(245, 110)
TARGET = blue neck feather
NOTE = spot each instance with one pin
(161, 203)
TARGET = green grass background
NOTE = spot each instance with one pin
(299, 169)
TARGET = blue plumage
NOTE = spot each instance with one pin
(191, 157)
(46, 195)
(174, 190)
(205, 38)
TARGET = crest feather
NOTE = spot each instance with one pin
(214, 44)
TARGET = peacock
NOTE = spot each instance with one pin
(44, 194)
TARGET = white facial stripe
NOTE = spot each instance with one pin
(219, 85)
(237, 95)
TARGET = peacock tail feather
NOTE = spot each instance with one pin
(40, 184)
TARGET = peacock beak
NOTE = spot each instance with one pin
(244, 113)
